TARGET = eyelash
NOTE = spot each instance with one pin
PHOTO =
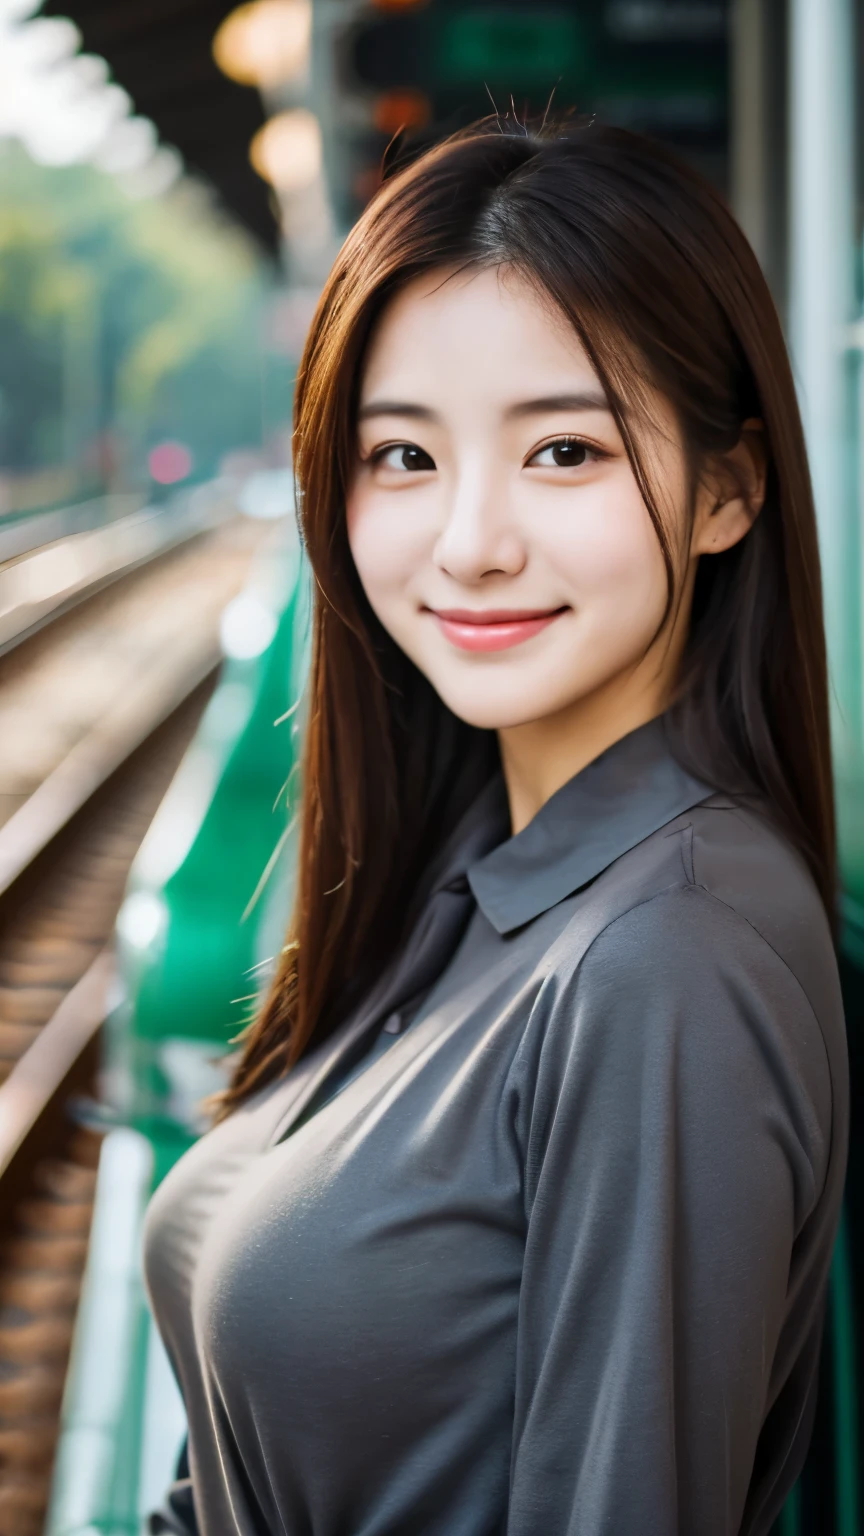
(569, 440)
(377, 454)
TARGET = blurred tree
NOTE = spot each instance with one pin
(121, 322)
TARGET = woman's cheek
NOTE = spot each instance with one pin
(387, 546)
(609, 556)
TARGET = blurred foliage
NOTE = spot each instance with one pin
(122, 323)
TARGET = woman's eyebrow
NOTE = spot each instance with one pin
(585, 400)
(396, 408)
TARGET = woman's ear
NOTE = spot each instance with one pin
(731, 494)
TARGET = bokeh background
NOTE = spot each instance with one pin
(176, 177)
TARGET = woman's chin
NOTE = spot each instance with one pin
(498, 708)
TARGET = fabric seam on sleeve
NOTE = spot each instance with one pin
(687, 852)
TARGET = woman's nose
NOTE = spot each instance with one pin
(478, 537)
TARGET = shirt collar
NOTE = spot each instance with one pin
(629, 791)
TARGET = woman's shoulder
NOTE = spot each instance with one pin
(716, 975)
(725, 874)
(712, 927)
(745, 863)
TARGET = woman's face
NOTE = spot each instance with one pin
(494, 517)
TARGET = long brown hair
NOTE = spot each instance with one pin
(663, 290)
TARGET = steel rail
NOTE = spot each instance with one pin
(52, 578)
(48, 1158)
(64, 856)
(46, 1064)
(95, 757)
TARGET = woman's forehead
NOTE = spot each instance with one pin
(487, 325)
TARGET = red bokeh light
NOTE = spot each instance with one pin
(401, 109)
(169, 462)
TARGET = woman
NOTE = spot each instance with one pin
(520, 1211)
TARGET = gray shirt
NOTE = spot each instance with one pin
(550, 1256)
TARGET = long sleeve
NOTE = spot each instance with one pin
(676, 1146)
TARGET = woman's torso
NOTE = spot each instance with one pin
(499, 1281)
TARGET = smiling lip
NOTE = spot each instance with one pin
(493, 629)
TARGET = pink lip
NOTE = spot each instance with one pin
(493, 629)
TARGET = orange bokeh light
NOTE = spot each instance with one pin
(401, 109)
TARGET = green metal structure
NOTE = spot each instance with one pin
(209, 892)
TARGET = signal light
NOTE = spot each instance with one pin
(169, 463)
(401, 109)
(398, 5)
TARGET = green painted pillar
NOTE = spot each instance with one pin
(822, 312)
(209, 894)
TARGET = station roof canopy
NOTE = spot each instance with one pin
(160, 51)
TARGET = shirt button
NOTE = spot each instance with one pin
(393, 1025)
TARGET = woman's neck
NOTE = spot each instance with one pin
(540, 756)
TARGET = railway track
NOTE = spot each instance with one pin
(68, 835)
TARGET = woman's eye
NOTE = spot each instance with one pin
(402, 456)
(567, 453)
